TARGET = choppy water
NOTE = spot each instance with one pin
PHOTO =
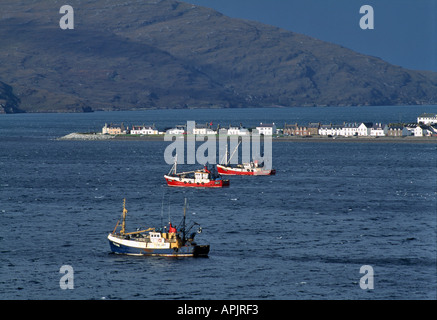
(302, 234)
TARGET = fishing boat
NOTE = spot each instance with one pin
(252, 168)
(201, 178)
(174, 242)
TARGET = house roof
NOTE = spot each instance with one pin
(331, 126)
(143, 127)
(367, 124)
(378, 125)
(111, 125)
(351, 125)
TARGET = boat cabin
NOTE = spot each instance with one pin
(155, 237)
(199, 175)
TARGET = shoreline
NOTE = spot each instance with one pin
(75, 136)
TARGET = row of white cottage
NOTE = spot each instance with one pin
(426, 126)
(198, 129)
(368, 129)
(265, 129)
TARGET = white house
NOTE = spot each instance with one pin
(422, 131)
(238, 131)
(378, 130)
(144, 130)
(427, 118)
(202, 130)
(114, 129)
(177, 130)
(411, 127)
(330, 129)
(350, 129)
(267, 129)
(364, 129)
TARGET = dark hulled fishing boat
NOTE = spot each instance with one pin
(153, 242)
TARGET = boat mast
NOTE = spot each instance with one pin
(173, 168)
(123, 223)
(236, 148)
(225, 157)
(183, 224)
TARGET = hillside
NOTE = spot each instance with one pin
(8, 101)
(168, 54)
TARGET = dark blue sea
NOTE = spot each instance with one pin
(301, 234)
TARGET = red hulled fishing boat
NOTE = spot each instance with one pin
(202, 178)
(252, 168)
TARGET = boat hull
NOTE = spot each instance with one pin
(230, 171)
(138, 248)
(181, 182)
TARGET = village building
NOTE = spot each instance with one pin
(144, 130)
(296, 130)
(364, 129)
(350, 129)
(267, 129)
(301, 131)
(397, 131)
(411, 127)
(222, 131)
(114, 129)
(427, 118)
(289, 129)
(378, 130)
(422, 131)
(238, 131)
(201, 129)
(330, 129)
(180, 129)
(313, 128)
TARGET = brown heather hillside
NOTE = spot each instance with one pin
(126, 55)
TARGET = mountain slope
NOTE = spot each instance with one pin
(170, 54)
(8, 101)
